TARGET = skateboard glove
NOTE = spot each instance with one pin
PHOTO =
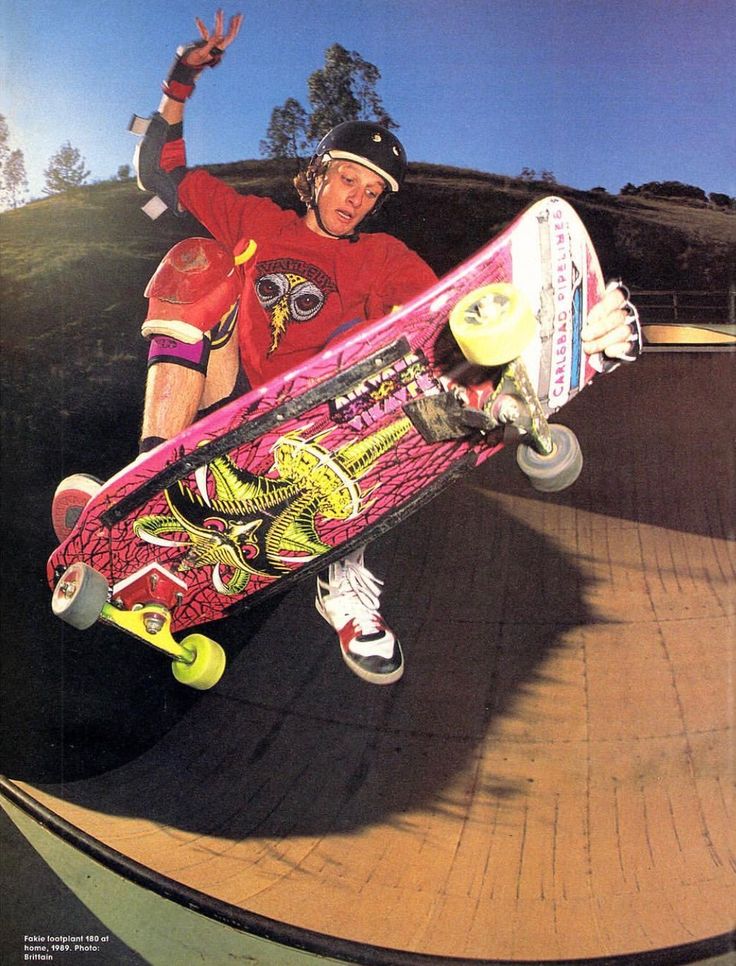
(160, 160)
(635, 337)
(180, 81)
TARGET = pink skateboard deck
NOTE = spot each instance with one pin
(292, 475)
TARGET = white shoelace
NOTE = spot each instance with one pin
(364, 590)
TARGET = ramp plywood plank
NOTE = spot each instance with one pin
(553, 778)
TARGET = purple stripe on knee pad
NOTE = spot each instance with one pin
(165, 349)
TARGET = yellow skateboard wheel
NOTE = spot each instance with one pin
(207, 665)
(493, 325)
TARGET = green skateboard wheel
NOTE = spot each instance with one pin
(207, 665)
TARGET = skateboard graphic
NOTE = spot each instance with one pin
(293, 475)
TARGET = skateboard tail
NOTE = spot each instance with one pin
(555, 266)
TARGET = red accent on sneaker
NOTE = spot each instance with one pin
(350, 632)
(70, 498)
(347, 598)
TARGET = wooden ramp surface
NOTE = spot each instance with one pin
(662, 334)
(553, 778)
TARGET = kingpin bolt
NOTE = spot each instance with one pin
(153, 623)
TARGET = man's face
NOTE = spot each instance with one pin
(346, 193)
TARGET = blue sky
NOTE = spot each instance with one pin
(600, 92)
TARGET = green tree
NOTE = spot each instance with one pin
(286, 136)
(66, 170)
(672, 189)
(343, 90)
(13, 178)
(4, 139)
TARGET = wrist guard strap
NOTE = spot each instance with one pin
(180, 81)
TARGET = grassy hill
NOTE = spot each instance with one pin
(74, 268)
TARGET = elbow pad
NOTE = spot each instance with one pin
(160, 161)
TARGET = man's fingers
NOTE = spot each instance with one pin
(612, 327)
(614, 332)
(216, 39)
(612, 300)
(619, 350)
(233, 28)
(597, 326)
(607, 314)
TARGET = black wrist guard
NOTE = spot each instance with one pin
(182, 77)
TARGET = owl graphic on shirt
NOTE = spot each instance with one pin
(290, 291)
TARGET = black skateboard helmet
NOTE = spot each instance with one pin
(366, 143)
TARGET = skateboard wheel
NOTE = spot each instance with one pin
(79, 596)
(550, 474)
(493, 325)
(206, 667)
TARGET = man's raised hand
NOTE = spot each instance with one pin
(208, 52)
(191, 59)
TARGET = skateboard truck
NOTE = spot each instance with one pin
(514, 402)
(141, 606)
(492, 326)
(143, 603)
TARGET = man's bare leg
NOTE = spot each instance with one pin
(175, 394)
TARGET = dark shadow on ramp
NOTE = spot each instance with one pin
(552, 780)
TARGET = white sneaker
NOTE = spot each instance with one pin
(347, 598)
(70, 498)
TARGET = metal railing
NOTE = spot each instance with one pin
(669, 307)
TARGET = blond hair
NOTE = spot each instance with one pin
(305, 180)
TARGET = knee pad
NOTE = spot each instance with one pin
(194, 291)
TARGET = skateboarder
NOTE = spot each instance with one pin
(309, 280)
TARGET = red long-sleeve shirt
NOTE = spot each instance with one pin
(301, 290)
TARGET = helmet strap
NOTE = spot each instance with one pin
(314, 205)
